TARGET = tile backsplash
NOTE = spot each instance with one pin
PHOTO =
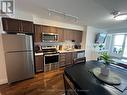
(65, 45)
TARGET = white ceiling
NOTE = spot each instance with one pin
(95, 13)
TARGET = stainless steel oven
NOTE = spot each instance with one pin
(49, 37)
(51, 59)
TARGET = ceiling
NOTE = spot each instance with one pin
(95, 13)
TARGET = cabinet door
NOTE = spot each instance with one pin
(27, 26)
(45, 29)
(39, 63)
(74, 35)
(38, 33)
(53, 30)
(74, 56)
(60, 32)
(11, 25)
(66, 34)
(79, 36)
(62, 59)
(68, 58)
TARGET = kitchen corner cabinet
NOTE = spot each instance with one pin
(37, 33)
(11, 25)
(39, 65)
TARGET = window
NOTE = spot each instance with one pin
(119, 45)
(125, 48)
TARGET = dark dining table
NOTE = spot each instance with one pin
(87, 84)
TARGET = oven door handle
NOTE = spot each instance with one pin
(52, 55)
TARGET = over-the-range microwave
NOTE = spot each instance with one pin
(49, 37)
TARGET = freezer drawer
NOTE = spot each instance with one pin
(20, 66)
(17, 42)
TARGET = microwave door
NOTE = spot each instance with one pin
(49, 37)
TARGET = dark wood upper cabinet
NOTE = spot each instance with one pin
(11, 25)
(79, 36)
(60, 32)
(73, 35)
(53, 30)
(49, 29)
(38, 33)
(67, 34)
(45, 29)
(27, 26)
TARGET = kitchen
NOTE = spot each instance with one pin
(54, 47)
(40, 40)
(51, 48)
(57, 39)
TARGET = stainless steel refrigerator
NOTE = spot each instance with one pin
(19, 60)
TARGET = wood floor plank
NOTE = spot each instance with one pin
(48, 83)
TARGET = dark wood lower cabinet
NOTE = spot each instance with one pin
(62, 59)
(67, 58)
(74, 56)
(39, 65)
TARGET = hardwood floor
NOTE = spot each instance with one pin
(49, 83)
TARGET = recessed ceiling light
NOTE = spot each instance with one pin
(121, 17)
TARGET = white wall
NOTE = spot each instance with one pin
(83, 44)
(90, 40)
(43, 21)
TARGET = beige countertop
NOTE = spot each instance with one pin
(75, 50)
(37, 54)
(62, 51)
